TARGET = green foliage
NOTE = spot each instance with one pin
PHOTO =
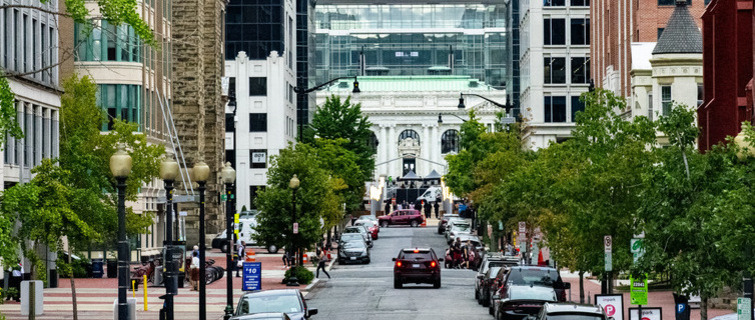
(303, 275)
(8, 122)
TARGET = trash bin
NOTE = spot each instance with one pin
(112, 268)
(97, 270)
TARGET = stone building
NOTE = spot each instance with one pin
(616, 24)
(198, 105)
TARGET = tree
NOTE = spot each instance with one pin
(342, 164)
(338, 119)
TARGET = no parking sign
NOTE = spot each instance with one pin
(613, 304)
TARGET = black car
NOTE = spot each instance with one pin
(521, 301)
(416, 266)
(529, 276)
(570, 311)
(353, 251)
(489, 261)
(289, 301)
(487, 281)
(220, 242)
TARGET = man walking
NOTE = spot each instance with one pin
(427, 209)
(437, 208)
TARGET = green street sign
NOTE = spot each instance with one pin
(638, 291)
(223, 197)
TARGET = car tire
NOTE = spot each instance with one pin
(224, 248)
(414, 224)
(272, 249)
(490, 309)
(436, 283)
(384, 224)
(397, 284)
(367, 261)
(486, 303)
(477, 296)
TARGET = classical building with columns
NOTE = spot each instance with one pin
(416, 119)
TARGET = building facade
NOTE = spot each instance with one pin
(555, 67)
(619, 23)
(416, 119)
(727, 70)
(265, 118)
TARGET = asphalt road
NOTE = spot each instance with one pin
(366, 291)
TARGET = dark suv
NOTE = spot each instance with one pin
(402, 217)
(418, 265)
(528, 276)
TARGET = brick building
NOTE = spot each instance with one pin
(618, 23)
(727, 70)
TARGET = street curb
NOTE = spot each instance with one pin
(308, 289)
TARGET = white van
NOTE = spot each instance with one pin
(431, 194)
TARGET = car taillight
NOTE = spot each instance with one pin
(432, 264)
(398, 264)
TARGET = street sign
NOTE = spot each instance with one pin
(609, 261)
(183, 213)
(638, 291)
(744, 309)
(252, 276)
(612, 304)
(607, 244)
(522, 227)
(296, 228)
(636, 247)
(223, 197)
(180, 198)
(647, 314)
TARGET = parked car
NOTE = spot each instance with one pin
(219, 241)
(354, 251)
(372, 227)
(530, 276)
(361, 230)
(264, 316)
(444, 221)
(402, 217)
(246, 225)
(457, 228)
(289, 301)
(570, 311)
(418, 265)
(346, 237)
(484, 284)
(490, 261)
(520, 301)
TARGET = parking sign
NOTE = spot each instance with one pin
(613, 304)
(252, 280)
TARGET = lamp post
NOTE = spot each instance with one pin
(509, 119)
(228, 175)
(120, 167)
(293, 184)
(168, 172)
(302, 91)
(200, 173)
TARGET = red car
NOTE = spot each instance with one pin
(372, 227)
(418, 265)
(402, 217)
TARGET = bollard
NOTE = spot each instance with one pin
(133, 288)
(145, 292)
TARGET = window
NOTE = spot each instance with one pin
(554, 3)
(666, 99)
(700, 96)
(555, 109)
(554, 31)
(576, 106)
(258, 122)
(257, 86)
(671, 2)
(120, 101)
(408, 134)
(554, 70)
(230, 126)
(111, 42)
(580, 3)
(660, 31)
(232, 85)
(259, 159)
(580, 70)
(373, 142)
(580, 31)
(449, 141)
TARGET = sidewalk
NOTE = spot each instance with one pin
(95, 297)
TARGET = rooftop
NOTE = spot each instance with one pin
(681, 34)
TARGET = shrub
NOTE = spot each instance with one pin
(302, 274)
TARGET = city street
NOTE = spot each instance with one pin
(366, 291)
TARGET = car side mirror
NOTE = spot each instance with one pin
(311, 312)
(496, 297)
(393, 259)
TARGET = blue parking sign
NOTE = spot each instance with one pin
(252, 279)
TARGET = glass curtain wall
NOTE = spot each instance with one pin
(407, 40)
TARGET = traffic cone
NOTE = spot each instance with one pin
(424, 223)
(305, 260)
(251, 256)
(540, 260)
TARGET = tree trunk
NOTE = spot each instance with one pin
(73, 285)
(704, 308)
(581, 287)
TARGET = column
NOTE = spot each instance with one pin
(383, 149)
(392, 153)
(425, 144)
(435, 148)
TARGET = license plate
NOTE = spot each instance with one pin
(353, 258)
(415, 266)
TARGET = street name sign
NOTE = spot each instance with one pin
(638, 291)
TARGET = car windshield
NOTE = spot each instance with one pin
(461, 227)
(353, 245)
(574, 316)
(528, 294)
(533, 277)
(353, 230)
(350, 236)
(287, 303)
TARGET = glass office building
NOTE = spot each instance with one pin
(404, 40)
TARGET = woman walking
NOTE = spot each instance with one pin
(321, 265)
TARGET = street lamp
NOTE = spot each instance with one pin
(509, 119)
(293, 184)
(228, 175)
(120, 167)
(440, 118)
(303, 91)
(200, 173)
(169, 170)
